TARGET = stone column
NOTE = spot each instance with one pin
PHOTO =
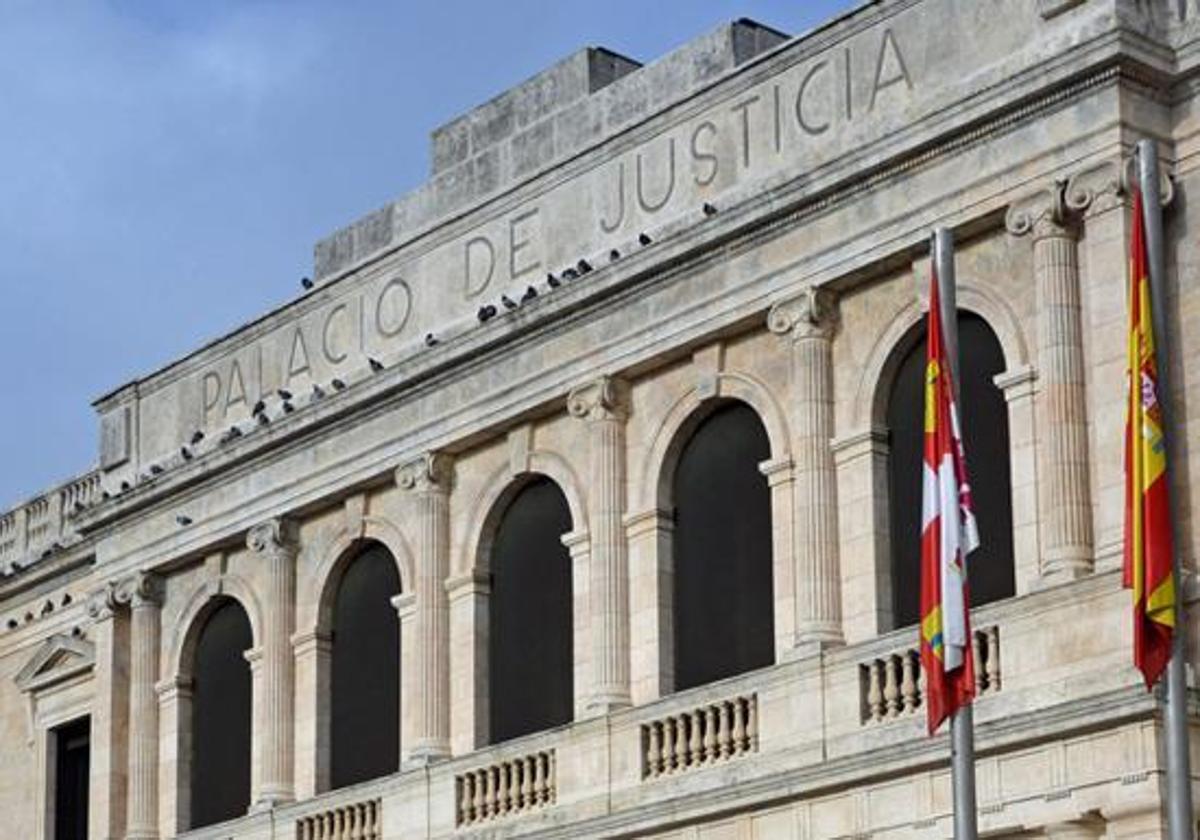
(1066, 503)
(429, 479)
(143, 593)
(808, 319)
(110, 716)
(275, 542)
(604, 406)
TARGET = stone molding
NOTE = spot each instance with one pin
(1051, 8)
(604, 398)
(431, 472)
(102, 603)
(810, 314)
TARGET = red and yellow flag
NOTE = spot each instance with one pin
(1148, 567)
(948, 535)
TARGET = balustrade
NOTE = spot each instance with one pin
(506, 788)
(699, 737)
(893, 686)
(354, 821)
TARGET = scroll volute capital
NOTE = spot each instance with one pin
(604, 398)
(429, 473)
(810, 314)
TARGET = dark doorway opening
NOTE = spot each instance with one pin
(723, 603)
(221, 705)
(72, 763)
(365, 726)
(531, 685)
(984, 415)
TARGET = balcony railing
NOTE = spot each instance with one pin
(28, 531)
(350, 821)
(506, 788)
(699, 737)
(893, 687)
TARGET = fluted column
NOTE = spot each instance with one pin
(274, 542)
(604, 406)
(808, 321)
(429, 478)
(1061, 402)
(143, 594)
(110, 716)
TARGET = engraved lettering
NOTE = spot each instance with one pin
(392, 308)
(610, 227)
(810, 128)
(326, 335)
(744, 108)
(237, 388)
(479, 264)
(520, 239)
(212, 392)
(702, 157)
(889, 67)
(298, 361)
(655, 206)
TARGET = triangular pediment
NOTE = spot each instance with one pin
(59, 658)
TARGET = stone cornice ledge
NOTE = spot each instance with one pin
(1051, 8)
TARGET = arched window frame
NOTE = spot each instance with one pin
(861, 458)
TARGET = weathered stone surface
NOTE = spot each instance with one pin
(825, 161)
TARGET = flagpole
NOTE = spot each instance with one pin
(1180, 817)
(962, 725)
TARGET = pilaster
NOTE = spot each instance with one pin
(1067, 546)
(274, 542)
(429, 480)
(603, 405)
(143, 593)
(107, 780)
(809, 320)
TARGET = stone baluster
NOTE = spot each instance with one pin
(993, 658)
(430, 479)
(1061, 400)
(603, 405)
(274, 542)
(874, 691)
(908, 682)
(143, 593)
(977, 653)
(710, 733)
(891, 688)
(809, 320)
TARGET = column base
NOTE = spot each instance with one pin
(1065, 570)
(268, 801)
(610, 701)
(812, 644)
(424, 755)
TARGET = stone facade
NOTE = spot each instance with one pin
(746, 218)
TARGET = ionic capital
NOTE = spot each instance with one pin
(274, 535)
(1100, 187)
(102, 603)
(810, 314)
(432, 472)
(605, 398)
(1042, 213)
(140, 590)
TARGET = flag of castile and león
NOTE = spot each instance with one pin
(948, 535)
(1148, 569)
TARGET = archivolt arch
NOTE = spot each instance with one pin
(653, 484)
(870, 400)
(327, 557)
(502, 485)
(201, 602)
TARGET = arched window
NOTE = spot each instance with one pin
(530, 678)
(365, 678)
(723, 610)
(984, 417)
(220, 772)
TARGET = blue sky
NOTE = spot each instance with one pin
(165, 167)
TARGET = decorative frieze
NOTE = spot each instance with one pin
(700, 737)
(506, 788)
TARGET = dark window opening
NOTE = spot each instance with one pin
(220, 774)
(72, 760)
(984, 415)
(365, 726)
(723, 604)
(531, 685)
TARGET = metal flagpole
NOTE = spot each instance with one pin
(1179, 774)
(962, 725)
